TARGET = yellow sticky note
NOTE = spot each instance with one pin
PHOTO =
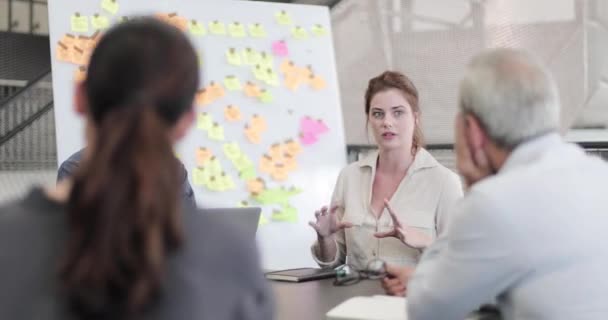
(232, 150)
(216, 132)
(242, 162)
(226, 182)
(217, 28)
(299, 33)
(318, 30)
(110, 6)
(251, 57)
(266, 60)
(272, 78)
(259, 72)
(79, 23)
(232, 83)
(237, 30)
(204, 121)
(283, 17)
(200, 176)
(214, 167)
(196, 28)
(266, 96)
(257, 30)
(233, 57)
(247, 174)
(99, 22)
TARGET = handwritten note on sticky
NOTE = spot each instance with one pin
(257, 30)
(199, 177)
(232, 150)
(259, 72)
(266, 164)
(317, 82)
(292, 147)
(63, 53)
(214, 167)
(216, 132)
(204, 121)
(258, 123)
(79, 23)
(318, 30)
(266, 96)
(266, 60)
(110, 6)
(287, 67)
(99, 22)
(232, 83)
(79, 56)
(233, 57)
(236, 30)
(203, 97)
(217, 28)
(80, 74)
(196, 28)
(251, 57)
(256, 185)
(242, 162)
(299, 33)
(278, 196)
(252, 90)
(254, 136)
(272, 78)
(279, 48)
(216, 90)
(225, 182)
(283, 17)
(202, 156)
(232, 113)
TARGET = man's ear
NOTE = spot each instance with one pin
(476, 135)
(183, 125)
(80, 99)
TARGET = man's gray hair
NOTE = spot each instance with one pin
(512, 94)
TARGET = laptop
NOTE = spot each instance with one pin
(247, 219)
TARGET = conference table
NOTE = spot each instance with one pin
(311, 300)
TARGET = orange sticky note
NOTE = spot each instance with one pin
(80, 74)
(279, 173)
(316, 82)
(63, 52)
(292, 81)
(293, 147)
(216, 90)
(287, 67)
(69, 40)
(79, 56)
(276, 151)
(304, 73)
(256, 185)
(203, 97)
(232, 113)
(202, 156)
(266, 164)
(253, 135)
(252, 90)
(258, 123)
(290, 162)
(177, 21)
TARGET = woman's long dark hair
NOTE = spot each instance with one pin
(124, 207)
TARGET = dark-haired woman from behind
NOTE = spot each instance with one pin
(113, 242)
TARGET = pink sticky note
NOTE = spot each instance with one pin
(321, 126)
(308, 125)
(308, 138)
(279, 48)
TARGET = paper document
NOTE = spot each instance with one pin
(370, 308)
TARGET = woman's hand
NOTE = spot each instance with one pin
(395, 284)
(327, 224)
(410, 236)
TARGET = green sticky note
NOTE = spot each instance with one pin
(233, 57)
(259, 72)
(110, 6)
(266, 96)
(262, 221)
(217, 28)
(232, 83)
(318, 30)
(286, 214)
(99, 22)
(214, 167)
(299, 33)
(79, 23)
(232, 150)
(204, 121)
(237, 30)
(226, 182)
(200, 177)
(266, 60)
(216, 132)
(257, 30)
(214, 184)
(283, 18)
(276, 196)
(247, 173)
(250, 56)
(272, 78)
(196, 28)
(242, 162)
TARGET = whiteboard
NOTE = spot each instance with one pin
(278, 135)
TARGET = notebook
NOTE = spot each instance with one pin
(370, 308)
(301, 274)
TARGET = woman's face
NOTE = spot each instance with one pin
(392, 120)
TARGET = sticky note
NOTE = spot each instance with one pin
(214, 167)
(202, 156)
(236, 30)
(233, 57)
(258, 123)
(216, 132)
(287, 67)
(79, 23)
(204, 121)
(99, 22)
(225, 182)
(286, 214)
(278, 196)
(196, 28)
(178, 22)
(316, 82)
(279, 173)
(259, 72)
(266, 164)
(216, 90)
(242, 162)
(266, 60)
(292, 147)
(253, 135)
(272, 78)
(80, 74)
(279, 48)
(251, 57)
(78, 56)
(276, 151)
(321, 127)
(263, 221)
(68, 40)
(200, 177)
(266, 96)
(257, 30)
(247, 173)
(232, 113)
(318, 30)
(299, 33)
(63, 52)
(292, 82)
(232, 150)
(110, 6)
(217, 28)
(252, 90)
(232, 83)
(304, 73)
(203, 97)
(283, 18)
(308, 138)
(256, 185)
